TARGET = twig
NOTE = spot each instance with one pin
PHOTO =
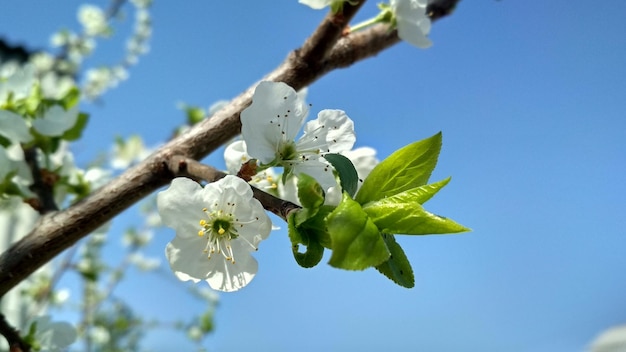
(12, 335)
(317, 46)
(42, 186)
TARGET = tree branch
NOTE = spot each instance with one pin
(57, 231)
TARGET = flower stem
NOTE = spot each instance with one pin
(365, 24)
(385, 15)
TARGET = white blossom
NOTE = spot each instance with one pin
(93, 19)
(129, 151)
(99, 334)
(144, 263)
(610, 340)
(271, 123)
(60, 296)
(56, 120)
(42, 61)
(53, 336)
(412, 22)
(55, 86)
(16, 79)
(217, 226)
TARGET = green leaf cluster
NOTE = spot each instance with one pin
(360, 230)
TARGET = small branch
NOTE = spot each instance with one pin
(279, 207)
(43, 184)
(182, 166)
(317, 46)
(12, 335)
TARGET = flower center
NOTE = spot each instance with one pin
(289, 155)
(219, 231)
(287, 151)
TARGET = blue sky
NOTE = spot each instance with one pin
(530, 97)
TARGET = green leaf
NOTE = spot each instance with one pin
(303, 236)
(397, 267)
(406, 168)
(71, 98)
(347, 173)
(76, 131)
(311, 196)
(402, 214)
(194, 114)
(425, 192)
(356, 241)
(310, 193)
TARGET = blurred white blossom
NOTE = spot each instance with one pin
(99, 334)
(53, 336)
(93, 19)
(16, 79)
(127, 152)
(144, 263)
(14, 127)
(611, 340)
(56, 120)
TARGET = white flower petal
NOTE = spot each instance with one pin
(187, 259)
(14, 127)
(180, 207)
(413, 23)
(235, 154)
(229, 277)
(611, 340)
(19, 81)
(54, 336)
(6, 165)
(331, 132)
(316, 4)
(320, 170)
(56, 121)
(274, 117)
